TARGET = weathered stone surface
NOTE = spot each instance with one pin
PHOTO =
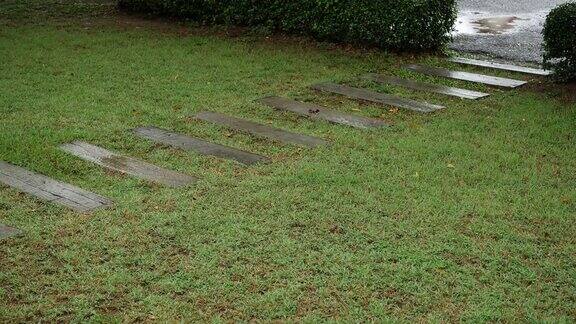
(421, 86)
(376, 97)
(500, 66)
(318, 112)
(261, 130)
(199, 146)
(467, 76)
(50, 190)
(127, 165)
(7, 231)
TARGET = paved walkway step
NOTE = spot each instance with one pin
(367, 95)
(467, 76)
(318, 112)
(50, 190)
(199, 146)
(260, 130)
(7, 231)
(421, 86)
(127, 165)
(500, 66)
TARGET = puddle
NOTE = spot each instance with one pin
(470, 23)
(495, 25)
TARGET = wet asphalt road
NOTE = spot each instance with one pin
(522, 42)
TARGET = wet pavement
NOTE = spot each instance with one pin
(507, 29)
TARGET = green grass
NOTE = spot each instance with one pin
(466, 214)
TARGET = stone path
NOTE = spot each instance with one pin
(321, 113)
(421, 86)
(199, 146)
(260, 130)
(50, 190)
(84, 201)
(127, 165)
(467, 76)
(500, 66)
(7, 231)
(376, 97)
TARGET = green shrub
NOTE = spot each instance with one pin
(560, 42)
(388, 24)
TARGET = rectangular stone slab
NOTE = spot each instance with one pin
(127, 165)
(500, 66)
(380, 98)
(7, 231)
(318, 112)
(421, 86)
(50, 190)
(199, 146)
(260, 130)
(467, 76)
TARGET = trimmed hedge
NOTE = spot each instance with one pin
(560, 42)
(388, 24)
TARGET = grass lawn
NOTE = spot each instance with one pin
(465, 214)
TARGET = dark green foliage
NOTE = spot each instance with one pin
(388, 24)
(560, 41)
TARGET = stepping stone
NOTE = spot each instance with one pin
(367, 95)
(499, 66)
(7, 231)
(466, 76)
(421, 86)
(50, 190)
(318, 112)
(199, 146)
(261, 130)
(127, 165)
